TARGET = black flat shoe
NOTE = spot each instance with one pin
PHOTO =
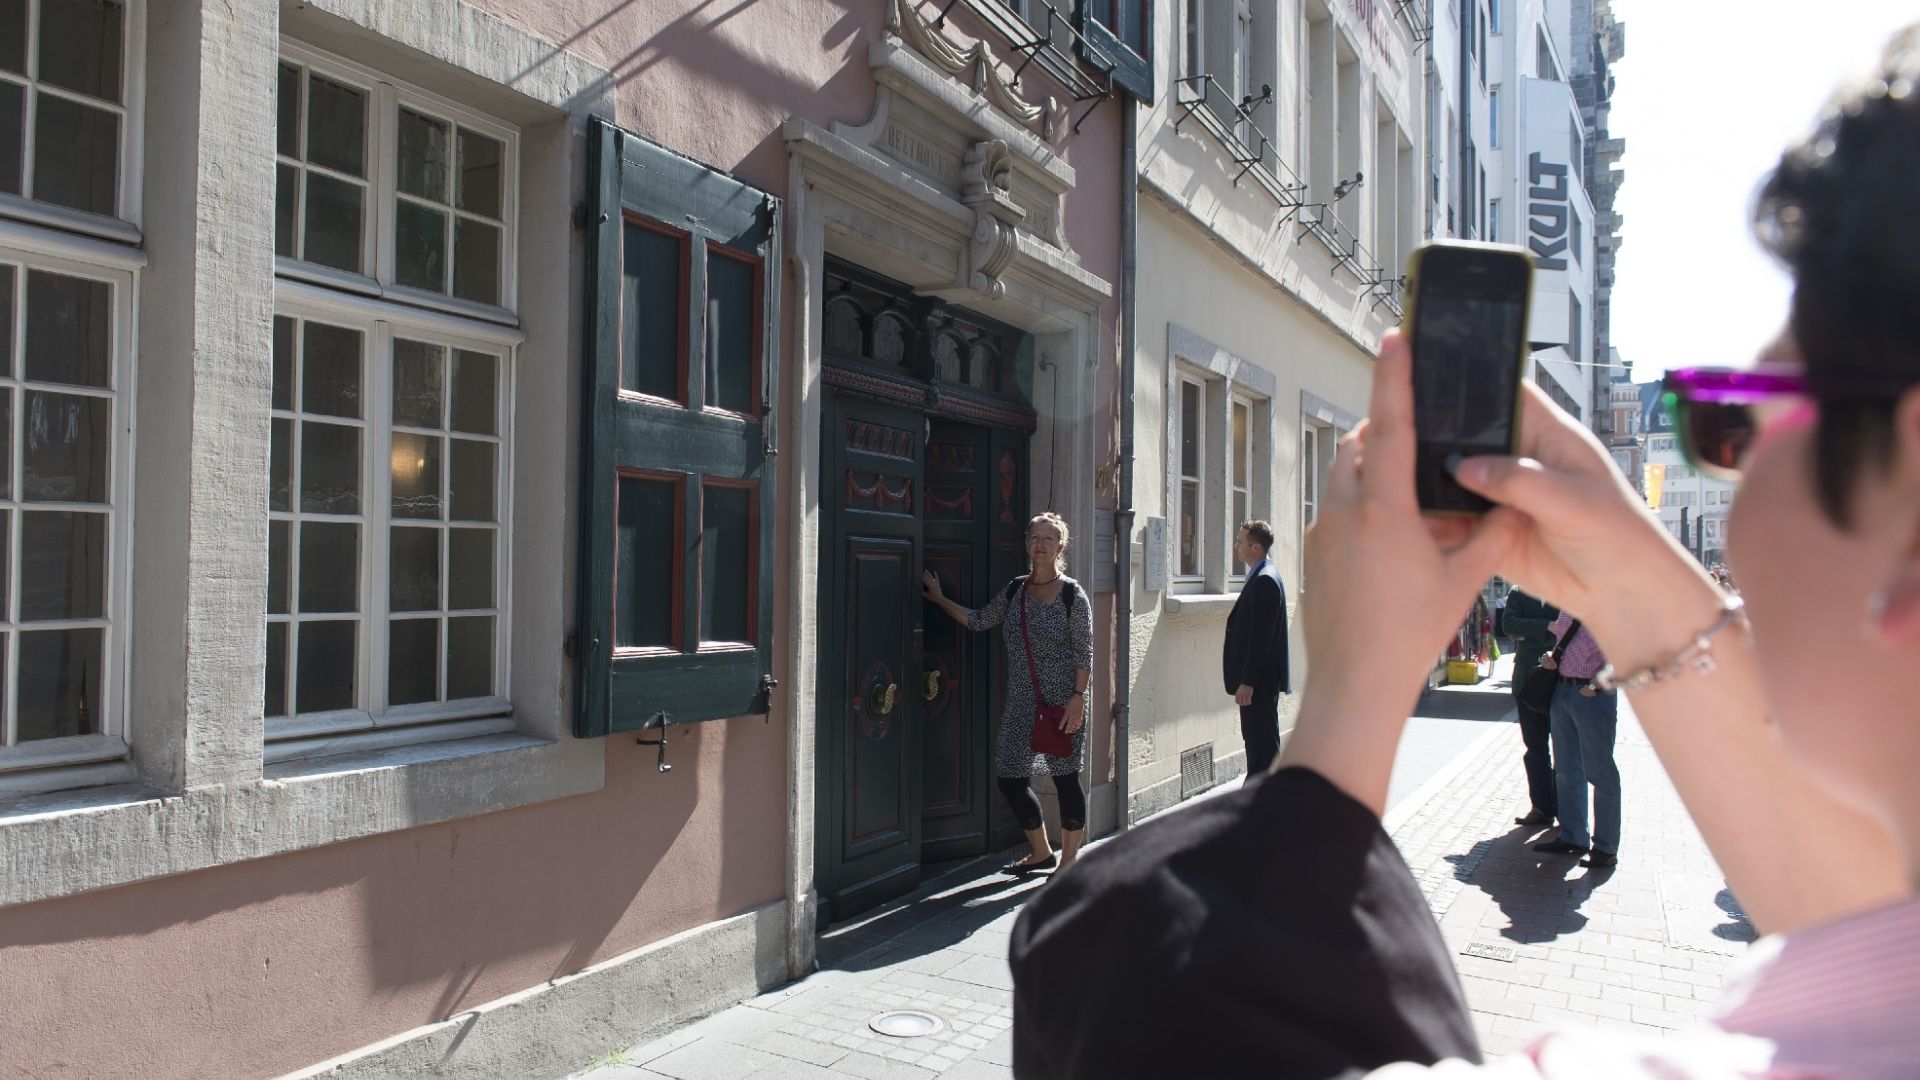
(1601, 860)
(1559, 847)
(1023, 867)
(1534, 817)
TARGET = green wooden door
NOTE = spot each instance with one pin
(962, 673)
(871, 695)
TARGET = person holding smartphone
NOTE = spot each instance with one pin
(1786, 720)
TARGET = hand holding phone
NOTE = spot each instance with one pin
(1467, 328)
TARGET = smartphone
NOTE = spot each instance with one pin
(1466, 321)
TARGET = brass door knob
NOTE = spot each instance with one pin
(886, 698)
(933, 685)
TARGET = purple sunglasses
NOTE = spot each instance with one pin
(1712, 408)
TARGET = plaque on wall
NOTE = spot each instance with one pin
(1156, 554)
(1104, 571)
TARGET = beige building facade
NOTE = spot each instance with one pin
(1280, 195)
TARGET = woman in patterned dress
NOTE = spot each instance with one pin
(1059, 620)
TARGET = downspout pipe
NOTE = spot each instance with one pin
(1123, 509)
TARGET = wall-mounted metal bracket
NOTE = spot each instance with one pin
(660, 720)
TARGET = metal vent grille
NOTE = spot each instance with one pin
(1196, 769)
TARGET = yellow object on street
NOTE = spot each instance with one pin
(1463, 671)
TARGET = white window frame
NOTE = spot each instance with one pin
(29, 249)
(1493, 117)
(386, 96)
(1182, 479)
(124, 224)
(1244, 465)
(1194, 40)
(1243, 63)
(294, 735)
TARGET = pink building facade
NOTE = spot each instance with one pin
(468, 472)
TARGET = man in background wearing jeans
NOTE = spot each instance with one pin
(1526, 622)
(1583, 719)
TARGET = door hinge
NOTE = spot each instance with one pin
(571, 646)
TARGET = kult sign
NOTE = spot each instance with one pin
(1548, 210)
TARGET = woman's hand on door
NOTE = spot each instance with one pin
(930, 584)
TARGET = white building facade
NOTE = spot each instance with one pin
(1510, 166)
(1282, 187)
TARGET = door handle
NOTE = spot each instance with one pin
(886, 698)
(933, 685)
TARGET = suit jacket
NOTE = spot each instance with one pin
(1527, 620)
(1256, 652)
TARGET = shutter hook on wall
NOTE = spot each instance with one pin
(660, 720)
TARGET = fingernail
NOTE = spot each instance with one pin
(1468, 472)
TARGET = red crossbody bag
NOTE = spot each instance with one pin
(1047, 737)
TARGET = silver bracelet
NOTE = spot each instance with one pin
(1697, 657)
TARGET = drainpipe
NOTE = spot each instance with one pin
(1123, 511)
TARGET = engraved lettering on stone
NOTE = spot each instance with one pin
(917, 153)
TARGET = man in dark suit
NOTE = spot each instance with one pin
(1255, 662)
(1527, 621)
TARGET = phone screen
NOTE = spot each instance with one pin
(1469, 335)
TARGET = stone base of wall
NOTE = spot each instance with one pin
(561, 1026)
(1155, 797)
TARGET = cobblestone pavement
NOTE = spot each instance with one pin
(1539, 941)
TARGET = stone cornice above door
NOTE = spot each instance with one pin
(948, 116)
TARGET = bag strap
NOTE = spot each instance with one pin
(1026, 639)
(1561, 649)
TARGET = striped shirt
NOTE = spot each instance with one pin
(1835, 1002)
(1583, 658)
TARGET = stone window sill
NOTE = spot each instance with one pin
(1200, 603)
(76, 841)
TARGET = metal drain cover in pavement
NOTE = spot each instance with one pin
(906, 1024)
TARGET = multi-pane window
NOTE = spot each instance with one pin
(322, 199)
(1493, 118)
(63, 349)
(449, 218)
(390, 183)
(1240, 471)
(65, 102)
(1190, 432)
(385, 508)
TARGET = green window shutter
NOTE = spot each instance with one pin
(677, 469)
(1118, 33)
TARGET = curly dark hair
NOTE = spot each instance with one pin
(1842, 212)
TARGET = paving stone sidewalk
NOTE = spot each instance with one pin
(1539, 941)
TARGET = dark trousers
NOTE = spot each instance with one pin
(1260, 727)
(1536, 733)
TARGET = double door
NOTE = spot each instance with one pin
(909, 699)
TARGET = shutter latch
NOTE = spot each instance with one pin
(660, 720)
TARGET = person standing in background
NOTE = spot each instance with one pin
(1527, 619)
(1583, 720)
(1255, 659)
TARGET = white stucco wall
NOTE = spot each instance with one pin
(1187, 283)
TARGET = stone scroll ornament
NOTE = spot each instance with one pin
(984, 180)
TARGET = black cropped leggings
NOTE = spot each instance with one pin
(1026, 805)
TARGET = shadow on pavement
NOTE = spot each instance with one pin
(1541, 902)
(947, 910)
(1486, 702)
